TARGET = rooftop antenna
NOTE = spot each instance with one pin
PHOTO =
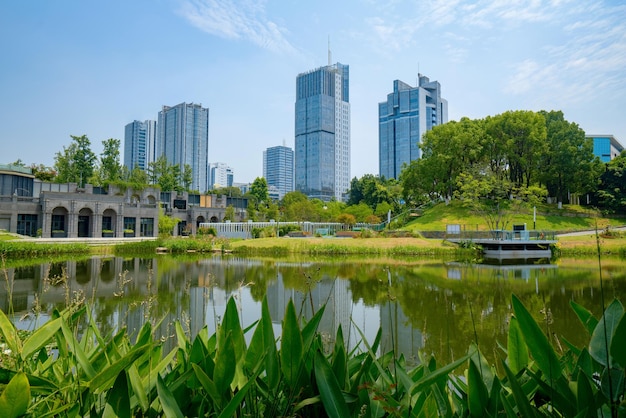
(329, 54)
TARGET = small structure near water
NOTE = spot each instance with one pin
(516, 244)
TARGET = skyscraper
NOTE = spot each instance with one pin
(402, 120)
(183, 138)
(139, 144)
(278, 169)
(322, 130)
(220, 175)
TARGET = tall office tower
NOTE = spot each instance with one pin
(139, 141)
(220, 175)
(402, 120)
(322, 130)
(183, 138)
(278, 169)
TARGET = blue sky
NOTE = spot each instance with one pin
(74, 67)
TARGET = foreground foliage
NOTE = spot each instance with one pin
(59, 371)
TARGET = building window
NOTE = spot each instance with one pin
(107, 223)
(27, 225)
(147, 227)
(129, 223)
(58, 222)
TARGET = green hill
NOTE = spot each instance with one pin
(549, 218)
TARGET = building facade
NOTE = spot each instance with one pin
(322, 132)
(402, 120)
(139, 144)
(220, 175)
(606, 147)
(278, 167)
(183, 138)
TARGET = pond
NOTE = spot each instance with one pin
(428, 306)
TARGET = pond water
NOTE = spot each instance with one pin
(429, 306)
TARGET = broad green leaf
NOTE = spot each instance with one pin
(585, 397)
(231, 408)
(181, 337)
(40, 337)
(105, 378)
(618, 343)
(10, 334)
(587, 319)
(486, 372)
(208, 385)
(272, 368)
(15, 397)
(168, 402)
(225, 364)
(138, 388)
(601, 340)
(521, 398)
(516, 347)
(431, 378)
(309, 331)
(307, 402)
(74, 346)
(291, 346)
(537, 342)
(340, 359)
(477, 396)
(330, 392)
(615, 388)
(118, 399)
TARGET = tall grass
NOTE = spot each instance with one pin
(17, 249)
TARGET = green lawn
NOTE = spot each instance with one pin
(549, 217)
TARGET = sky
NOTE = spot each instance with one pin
(75, 67)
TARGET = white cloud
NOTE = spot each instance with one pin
(237, 19)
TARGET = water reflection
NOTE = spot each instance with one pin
(424, 306)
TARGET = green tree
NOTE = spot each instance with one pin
(187, 177)
(229, 214)
(612, 191)
(166, 223)
(43, 173)
(360, 211)
(76, 163)
(569, 165)
(259, 190)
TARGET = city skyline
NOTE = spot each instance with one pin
(240, 60)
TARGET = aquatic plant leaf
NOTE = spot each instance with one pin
(477, 395)
(272, 369)
(15, 397)
(105, 378)
(118, 399)
(208, 385)
(430, 378)
(138, 388)
(586, 317)
(516, 347)
(42, 336)
(230, 410)
(521, 398)
(9, 332)
(330, 392)
(291, 346)
(584, 393)
(232, 324)
(537, 342)
(614, 389)
(167, 400)
(225, 364)
(601, 340)
(618, 343)
(309, 331)
(74, 346)
(181, 337)
(340, 359)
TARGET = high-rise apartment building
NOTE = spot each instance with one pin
(220, 175)
(183, 138)
(139, 144)
(402, 120)
(278, 169)
(322, 131)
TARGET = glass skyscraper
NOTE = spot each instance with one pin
(322, 130)
(183, 137)
(278, 168)
(139, 144)
(220, 175)
(402, 120)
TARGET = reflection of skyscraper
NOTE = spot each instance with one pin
(183, 138)
(322, 128)
(398, 334)
(402, 120)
